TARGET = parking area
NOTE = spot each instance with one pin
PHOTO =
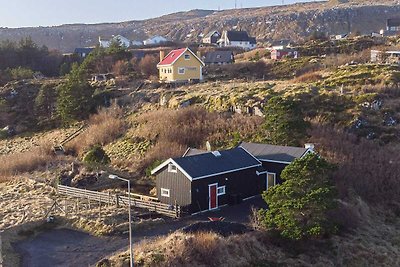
(66, 247)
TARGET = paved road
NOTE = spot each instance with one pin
(64, 247)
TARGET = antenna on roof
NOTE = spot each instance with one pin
(208, 146)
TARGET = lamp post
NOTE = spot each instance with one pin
(114, 177)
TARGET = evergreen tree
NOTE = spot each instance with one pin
(75, 96)
(298, 207)
(284, 122)
(44, 102)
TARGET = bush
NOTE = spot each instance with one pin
(308, 77)
(20, 73)
(148, 65)
(96, 155)
(3, 134)
(365, 168)
(298, 208)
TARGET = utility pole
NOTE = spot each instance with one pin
(235, 4)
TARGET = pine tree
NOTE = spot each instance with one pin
(298, 207)
(75, 96)
(284, 122)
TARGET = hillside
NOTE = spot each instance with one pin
(266, 23)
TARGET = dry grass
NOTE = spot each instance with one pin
(342, 59)
(259, 249)
(17, 163)
(104, 127)
(364, 167)
(308, 77)
(172, 131)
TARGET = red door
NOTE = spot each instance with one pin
(212, 196)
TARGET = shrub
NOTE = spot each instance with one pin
(148, 65)
(298, 207)
(20, 73)
(96, 155)
(308, 77)
(284, 122)
(365, 168)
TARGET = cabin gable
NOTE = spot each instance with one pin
(176, 184)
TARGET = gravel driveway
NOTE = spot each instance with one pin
(65, 247)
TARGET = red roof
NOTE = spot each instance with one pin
(172, 56)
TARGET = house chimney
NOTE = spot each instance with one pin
(162, 55)
(309, 146)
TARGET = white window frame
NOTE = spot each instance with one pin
(165, 192)
(267, 179)
(187, 57)
(180, 71)
(223, 188)
(172, 168)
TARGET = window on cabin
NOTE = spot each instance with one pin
(165, 192)
(187, 57)
(172, 168)
(181, 70)
(221, 190)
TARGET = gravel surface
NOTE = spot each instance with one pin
(64, 247)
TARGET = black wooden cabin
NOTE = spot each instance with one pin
(209, 180)
(202, 180)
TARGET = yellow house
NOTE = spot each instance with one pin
(180, 65)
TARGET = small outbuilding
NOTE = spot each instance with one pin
(219, 58)
(275, 158)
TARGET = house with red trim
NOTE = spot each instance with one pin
(180, 66)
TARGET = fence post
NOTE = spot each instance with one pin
(99, 205)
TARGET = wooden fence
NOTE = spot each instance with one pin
(138, 201)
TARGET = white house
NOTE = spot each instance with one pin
(237, 39)
(155, 40)
(106, 42)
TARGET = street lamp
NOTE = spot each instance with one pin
(115, 177)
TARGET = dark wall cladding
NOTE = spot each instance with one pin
(178, 184)
(238, 185)
(194, 196)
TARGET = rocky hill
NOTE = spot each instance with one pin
(291, 21)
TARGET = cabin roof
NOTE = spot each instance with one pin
(213, 163)
(280, 43)
(238, 36)
(266, 152)
(218, 56)
(393, 22)
(86, 50)
(194, 151)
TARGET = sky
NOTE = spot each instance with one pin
(33, 13)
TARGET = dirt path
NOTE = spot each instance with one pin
(65, 247)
